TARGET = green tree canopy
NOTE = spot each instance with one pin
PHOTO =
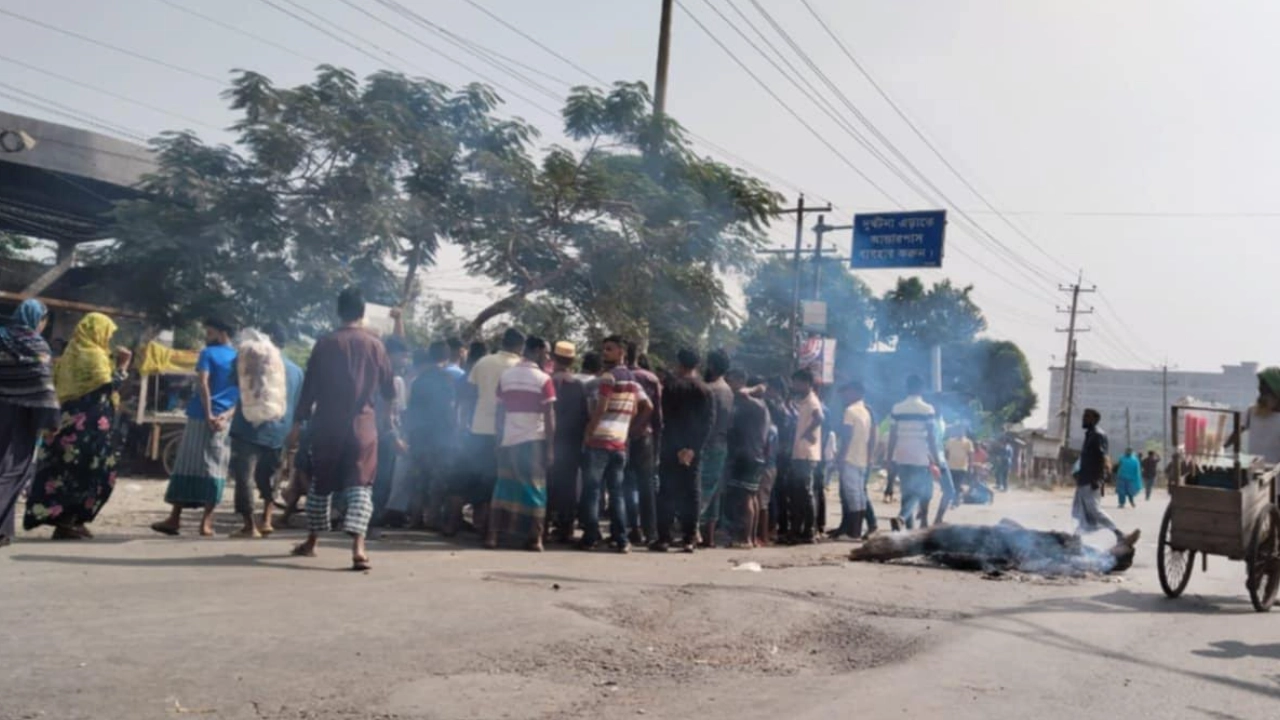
(914, 317)
(766, 344)
(331, 183)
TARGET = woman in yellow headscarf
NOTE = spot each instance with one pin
(77, 467)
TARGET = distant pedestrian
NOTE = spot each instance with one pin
(688, 414)
(912, 450)
(526, 425)
(621, 401)
(960, 461)
(717, 451)
(572, 415)
(1002, 465)
(432, 430)
(748, 454)
(640, 478)
(1094, 469)
(856, 448)
(782, 411)
(481, 455)
(1150, 471)
(1128, 478)
(347, 369)
(28, 407)
(806, 453)
(257, 449)
(204, 454)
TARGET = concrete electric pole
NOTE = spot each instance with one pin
(1068, 384)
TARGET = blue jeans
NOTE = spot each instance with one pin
(948, 486)
(917, 490)
(603, 468)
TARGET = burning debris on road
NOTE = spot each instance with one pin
(1004, 546)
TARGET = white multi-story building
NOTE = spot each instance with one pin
(1112, 391)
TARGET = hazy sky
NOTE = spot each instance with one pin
(1136, 141)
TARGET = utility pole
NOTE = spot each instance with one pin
(1164, 409)
(819, 230)
(1068, 385)
(799, 211)
(1128, 430)
(664, 60)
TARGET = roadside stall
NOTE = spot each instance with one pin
(167, 379)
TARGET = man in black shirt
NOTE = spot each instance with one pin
(1150, 470)
(1095, 467)
(688, 416)
(748, 445)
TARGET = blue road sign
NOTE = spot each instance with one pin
(898, 240)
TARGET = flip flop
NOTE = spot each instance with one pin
(303, 551)
(164, 529)
(361, 564)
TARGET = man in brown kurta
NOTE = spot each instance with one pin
(346, 370)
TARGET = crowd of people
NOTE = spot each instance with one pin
(531, 444)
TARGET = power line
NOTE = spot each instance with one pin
(915, 129)
(804, 56)
(446, 56)
(853, 132)
(535, 41)
(332, 35)
(474, 49)
(104, 91)
(109, 46)
(67, 111)
(783, 103)
(426, 24)
(1120, 319)
(240, 31)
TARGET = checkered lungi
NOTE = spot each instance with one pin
(355, 521)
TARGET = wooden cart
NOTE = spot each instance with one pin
(165, 424)
(1221, 504)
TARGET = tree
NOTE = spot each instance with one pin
(630, 233)
(915, 319)
(766, 344)
(996, 374)
(332, 183)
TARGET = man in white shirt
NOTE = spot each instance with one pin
(912, 450)
(857, 441)
(960, 460)
(483, 453)
(806, 453)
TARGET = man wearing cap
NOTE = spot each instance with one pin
(571, 425)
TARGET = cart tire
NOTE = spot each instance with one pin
(1174, 566)
(1263, 559)
(169, 455)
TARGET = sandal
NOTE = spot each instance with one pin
(62, 532)
(361, 564)
(303, 550)
(164, 529)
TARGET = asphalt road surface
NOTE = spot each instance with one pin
(137, 627)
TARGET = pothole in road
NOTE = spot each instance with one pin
(682, 633)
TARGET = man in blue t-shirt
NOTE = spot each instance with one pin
(200, 472)
(257, 450)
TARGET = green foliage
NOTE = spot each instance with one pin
(332, 183)
(996, 374)
(919, 318)
(766, 335)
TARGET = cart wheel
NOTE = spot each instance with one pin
(169, 456)
(1263, 559)
(1174, 566)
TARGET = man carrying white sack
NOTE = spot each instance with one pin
(270, 385)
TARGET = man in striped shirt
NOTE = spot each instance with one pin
(912, 449)
(621, 401)
(526, 422)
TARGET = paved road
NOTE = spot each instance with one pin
(135, 627)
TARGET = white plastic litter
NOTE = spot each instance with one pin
(749, 567)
